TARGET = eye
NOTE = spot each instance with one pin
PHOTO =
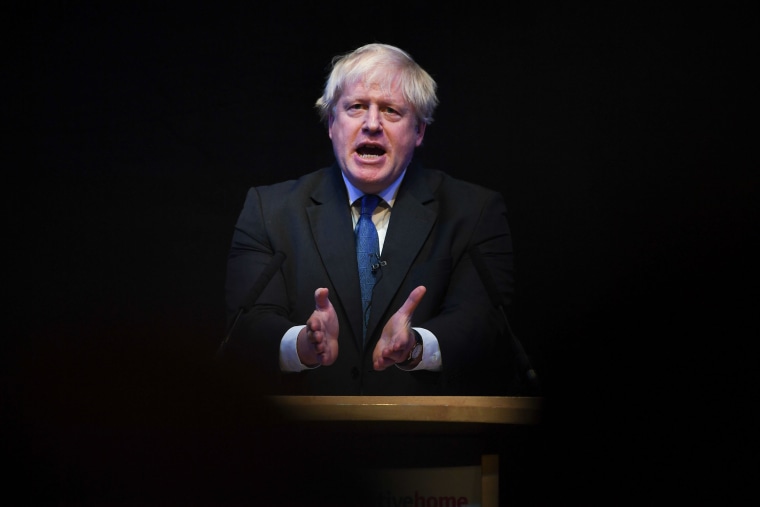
(355, 109)
(391, 112)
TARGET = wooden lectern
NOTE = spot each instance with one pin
(419, 432)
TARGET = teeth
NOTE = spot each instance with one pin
(368, 155)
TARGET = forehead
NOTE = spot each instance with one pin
(387, 88)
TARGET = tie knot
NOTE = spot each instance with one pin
(369, 203)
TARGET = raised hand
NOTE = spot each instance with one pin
(397, 339)
(318, 342)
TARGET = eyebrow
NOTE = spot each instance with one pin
(401, 107)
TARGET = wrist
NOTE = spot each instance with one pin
(304, 353)
(415, 354)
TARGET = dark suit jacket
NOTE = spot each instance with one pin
(435, 221)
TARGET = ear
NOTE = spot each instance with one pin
(330, 121)
(420, 128)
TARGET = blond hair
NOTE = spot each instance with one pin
(380, 64)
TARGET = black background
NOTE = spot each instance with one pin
(615, 134)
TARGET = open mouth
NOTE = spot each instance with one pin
(370, 151)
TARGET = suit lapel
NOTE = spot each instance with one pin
(413, 216)
(331, 226)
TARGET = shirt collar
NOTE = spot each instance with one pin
(388, 195)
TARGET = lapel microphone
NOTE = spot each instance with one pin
(380, 263)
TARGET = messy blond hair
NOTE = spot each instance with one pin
(377, 64)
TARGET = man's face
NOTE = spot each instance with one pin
(374, 134)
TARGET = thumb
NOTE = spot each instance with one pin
(321, 300)
(413, 300)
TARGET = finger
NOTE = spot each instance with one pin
(310, 337)
(382, 363)
(413, 300)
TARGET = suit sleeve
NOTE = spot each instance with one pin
(256, 339)
(470, 329)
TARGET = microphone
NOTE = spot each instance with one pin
(379, 264)
(496, 299)
(258, 287)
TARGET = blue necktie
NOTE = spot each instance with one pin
(367, 252)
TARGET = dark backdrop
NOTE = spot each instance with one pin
(613, 133)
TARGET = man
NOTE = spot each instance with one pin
(427, 325)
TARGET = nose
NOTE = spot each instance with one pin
(372, 121)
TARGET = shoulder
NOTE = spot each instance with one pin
(441, 184)
(310, 187)
(304, 183)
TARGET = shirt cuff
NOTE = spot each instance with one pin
(289, 361)
(431, 351)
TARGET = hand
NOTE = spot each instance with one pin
(397, 340)
(317, 343)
